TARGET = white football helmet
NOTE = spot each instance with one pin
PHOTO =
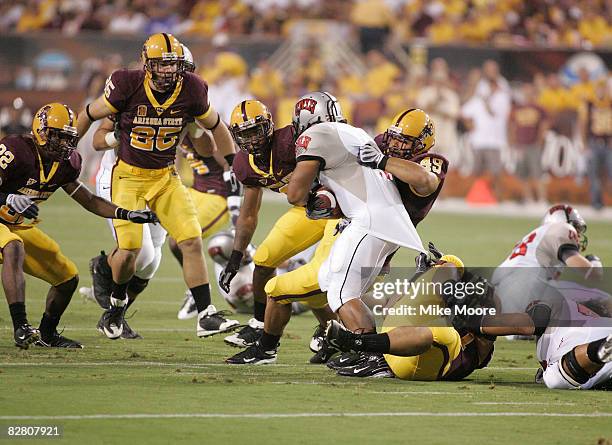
(189, 63)
(567, 214)
(314, 108)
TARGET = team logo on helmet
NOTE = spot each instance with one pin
(305, 104)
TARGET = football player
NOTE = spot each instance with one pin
(379, 223)
(541, 255)
(267, 160)
(155, 105)
(407, 350)
(32, 167)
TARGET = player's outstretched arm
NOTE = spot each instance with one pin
(301, 181)
(101, 207)
(93, 111)
(104, 137)
(507, 324)
(223, 138)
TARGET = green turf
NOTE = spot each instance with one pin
(173, 372)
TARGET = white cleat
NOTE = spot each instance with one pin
(188, 309)
(211, 322)
(605, 350)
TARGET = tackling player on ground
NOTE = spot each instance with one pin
(155, 106)
(32, 168)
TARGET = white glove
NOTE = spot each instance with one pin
(371, 156)
(22, 204)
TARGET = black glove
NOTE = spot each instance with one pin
(234, 187)
(371, 156)
(230, 271)
(22, 204)
(434, 251)
(316, 208)
(137, 216)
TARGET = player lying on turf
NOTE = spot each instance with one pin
(155, 106)
(32, 168)
(541, 255)
(266, 160)
(410, 351)
(209, 192)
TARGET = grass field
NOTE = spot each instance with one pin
(172, 387)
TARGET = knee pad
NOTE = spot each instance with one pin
(540, 315)
(555, 378)
(137, 285)
(574, 372)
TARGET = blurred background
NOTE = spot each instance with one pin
(520, 91)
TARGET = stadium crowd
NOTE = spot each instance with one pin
(569, 23)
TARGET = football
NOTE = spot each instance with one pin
(322, 204)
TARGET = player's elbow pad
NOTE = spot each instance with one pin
(540, 315)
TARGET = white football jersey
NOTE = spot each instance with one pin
(368, 197)
(108, 160)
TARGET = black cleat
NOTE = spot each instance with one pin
(318, 338)
(337, 336)
(102, 278)
(128, 333)
(253, 355)
(371, 365)
(246, 336)
(57, 340)
(324, 354)
(25, 335)
(343, 360)
(111, 323)
(211, 322)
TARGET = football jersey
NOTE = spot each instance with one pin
(23, 172)
(368, 197)
(282, 163)
(151, 131)
(207, 172)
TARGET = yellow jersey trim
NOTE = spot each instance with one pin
(160, 108)
(206, 114)
(110, 106)
(261, 172)
(45, 179)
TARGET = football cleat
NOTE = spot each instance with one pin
(188, 309)
(211, 322)
(343, 360)
(112, 319)
(57, 340)
(324, 354)
(605, 350)
(25, 335)
(128, 333)
(102, 278)
(374, 366)
(246, 336)
(318, 338)
(341, 338)
(253, 355)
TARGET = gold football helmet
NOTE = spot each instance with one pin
(54, 130)
(411, 133)
(164, 60)
(252, 127)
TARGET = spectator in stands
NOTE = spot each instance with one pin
(127, 20)
(373, 19)
(486, 116)
(15, 118)
(265, 82)
(596, 132)
(441, 102)
(528, 124)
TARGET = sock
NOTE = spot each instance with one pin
(18, 314)
(259, 311)
(201, 295)
(593, 349)
(119, 291)
(269, 341)
(373, 343)
(129, 303)
(48, 325)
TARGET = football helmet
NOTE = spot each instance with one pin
(188, 61)
(54, 130)
(567, 214)
(252, 128)
(314, 108)
(163, 59)
(411, 133)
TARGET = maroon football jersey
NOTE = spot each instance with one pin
(282, 163)
(207, 172)
(150, 131)
(22, 172)
(419, 206)
(527, 120)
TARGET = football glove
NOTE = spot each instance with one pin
(22, 204)
(234, 187)
(371, 156)
(230, 271)
(317, 208)
(137, 216)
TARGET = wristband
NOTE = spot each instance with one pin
(383, 163)
(121, 213)
(236, 257)
(230, 158)
(216, 123)
(110, 139)
(88, 113)
(234, 202)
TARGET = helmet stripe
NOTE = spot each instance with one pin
(168, 44)
(404, 114)
(243, 111)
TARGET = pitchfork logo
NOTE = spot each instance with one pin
(305, 104)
